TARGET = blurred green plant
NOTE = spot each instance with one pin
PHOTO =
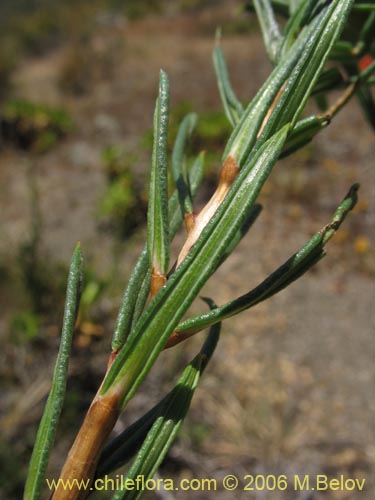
(268, 127)
(32, 126)
(40, 278)
(123, 202)
(25, 327)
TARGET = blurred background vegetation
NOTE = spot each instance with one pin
(78, 81)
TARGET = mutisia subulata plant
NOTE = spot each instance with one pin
(158, 294)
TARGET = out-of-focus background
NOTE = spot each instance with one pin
(289, 390)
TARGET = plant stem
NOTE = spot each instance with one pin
(83, 456)
(342, 100)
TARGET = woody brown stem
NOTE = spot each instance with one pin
(342, 100)
(84, 454)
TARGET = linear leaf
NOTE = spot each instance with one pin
(366, 35)
(302, 14)
(134, 299)
(292, 269)
(157, 218)
(165, 427)
(280, 7)
(165, 311)
(367, 103)
(179, 169)
(330, 79)
(47, 427)
(303, 133)
(304, 76)
(249, 221)
(369, 6)
(124, 446)
(284, 94)
(270, 29)
(232, 106)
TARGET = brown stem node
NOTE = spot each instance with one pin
(228, 173)
(157, 281)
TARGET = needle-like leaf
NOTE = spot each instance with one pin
(270, 29)
(135, 295)
(303, 133)
(179, 170)
(166, 426)
(157, 218)
(47, 428)
(280, 7)
(292, 269)
(232, 106)
(283, 96)
(155, 326)
(124, 446)
(329, 79)
(366, 35)
(367, 103)
(301, 15)
(367, 6)
(249, 221)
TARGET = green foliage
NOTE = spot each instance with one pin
(172, 411)
(33, 126)
(157, 217)
(119, 200)
(270, 125)
(48, 424)
(117, 161)
(24, 327)
(164, 414)
(123, 202)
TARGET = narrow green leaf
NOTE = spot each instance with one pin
(165, 427)
(304, 131)
(195, 172)
(369, 6)
(304, 76)
(343, 51)
(165, 311)
(270, 29)
(47, 427)
(280, 7)
(135, 295)
(232, 106)
(330, 79)
(249, 221)
(142, 297)
(287, 89)
(293, 6)
(157, 218)
(367, 103)
(121, 449)
(292, 269)
(245, 133)
(125, 315)
(302, 14)
(366, 36)
(179, 170)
